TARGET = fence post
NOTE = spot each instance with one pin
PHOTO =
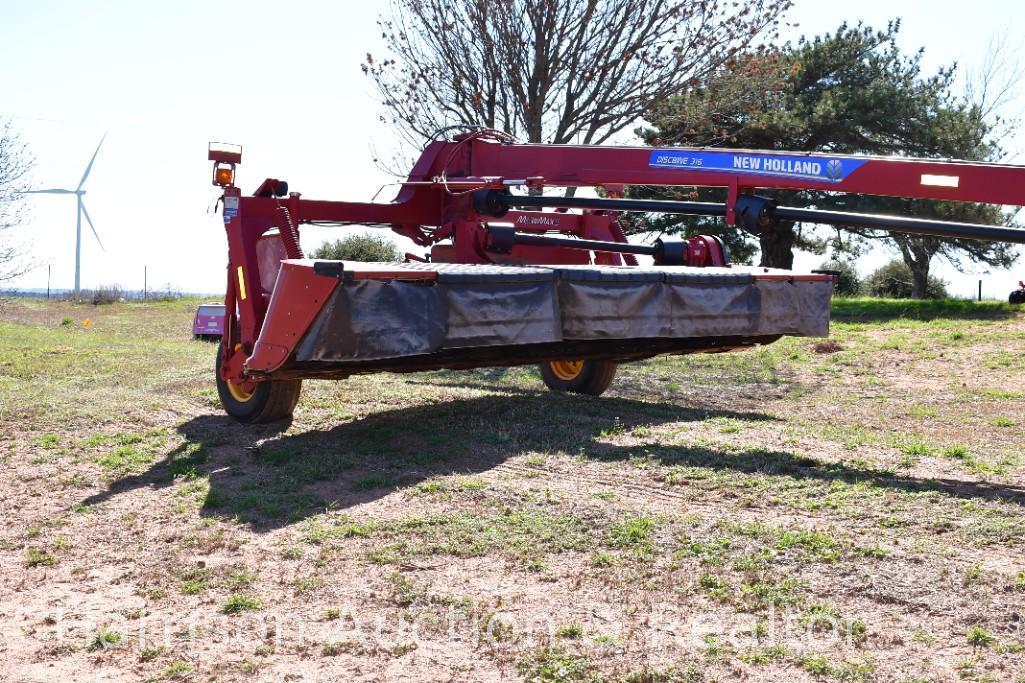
(980, 290)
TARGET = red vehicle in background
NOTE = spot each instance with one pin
(1018, 295)
(209, 322)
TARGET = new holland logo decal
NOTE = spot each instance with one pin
(780, 165)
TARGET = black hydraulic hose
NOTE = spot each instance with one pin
(912, 226)
(654, 205)
(502, 238)
(590, 245)
(498, 202)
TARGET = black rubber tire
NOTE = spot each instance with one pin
(594, 378)
(272, 400)
(1017, 297)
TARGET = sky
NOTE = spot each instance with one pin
(284, 81)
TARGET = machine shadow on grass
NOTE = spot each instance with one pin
(270, 479)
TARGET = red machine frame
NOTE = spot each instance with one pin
(435, 208)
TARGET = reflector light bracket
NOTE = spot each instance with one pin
(225, 156)
(224, 152)
(224, 176)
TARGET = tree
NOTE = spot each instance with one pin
(970, 128)
(358, 248)
(918, 252)
(957, 129)
(555, 71)
(708, 114)
(848, 282)
(15, 163)
(895, 281)
(850, 92)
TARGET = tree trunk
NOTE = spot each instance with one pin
(778, 246)
(920, 278)
(918, 257)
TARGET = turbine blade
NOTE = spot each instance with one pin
(90, 166)
(49, 191)
(81, 205)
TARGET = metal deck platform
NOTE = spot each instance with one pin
(416, 316)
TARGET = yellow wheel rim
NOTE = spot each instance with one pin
(238, 392)
(566, 370)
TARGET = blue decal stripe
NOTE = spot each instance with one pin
(822, 169)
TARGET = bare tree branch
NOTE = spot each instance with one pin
(15, 163)
(993, 88)
(555, 71)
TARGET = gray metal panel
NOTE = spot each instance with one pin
(712, 310)
(613, 310)
(470, 273)
(500, 312)
(369, 320)
(480, 306)
(608, 274)
(706, 276)
(801, 307)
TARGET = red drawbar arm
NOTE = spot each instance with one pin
(568, 165)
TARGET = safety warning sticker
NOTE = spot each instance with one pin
(230, 208)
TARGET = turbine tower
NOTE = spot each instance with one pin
(78, 192)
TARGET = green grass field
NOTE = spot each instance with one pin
(850, 511)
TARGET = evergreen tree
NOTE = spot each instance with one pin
(850, 92)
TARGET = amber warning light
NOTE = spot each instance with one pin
(224, 156)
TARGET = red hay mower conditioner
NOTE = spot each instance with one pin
(514, 278)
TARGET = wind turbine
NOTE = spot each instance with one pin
(78, 192)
